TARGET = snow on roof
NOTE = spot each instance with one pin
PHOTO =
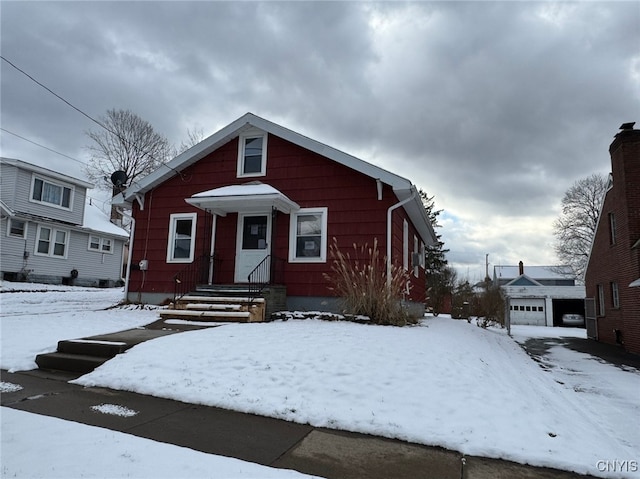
(239, 190)
(97, 220)
(534, 272)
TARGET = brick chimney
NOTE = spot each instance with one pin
(520, 268)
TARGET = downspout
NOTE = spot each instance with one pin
(389, 214)
(131, 235)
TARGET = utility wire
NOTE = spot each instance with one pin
(99, 123)
(55, 94)
(41, 146)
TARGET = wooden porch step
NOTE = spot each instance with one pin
(222, 316)
(213, 307)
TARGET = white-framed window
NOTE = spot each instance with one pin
(17, 228)
(600, 300)
(182, 236)
(100, 244)
(423, 255)
(405, 245)
(50, 193)
(308, 235)
(615, 295)
(612, 228)
(51, 242)
(252, 155)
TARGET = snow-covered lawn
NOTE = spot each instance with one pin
(444, 382)
(34, 317)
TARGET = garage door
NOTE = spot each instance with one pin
(527, 311)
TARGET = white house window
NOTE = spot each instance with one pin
(17, 228)
(252, 155)
(51, 242)
(182, 235)
(612, 228)
(97, 243)
(416, 252)
(615, 295)
(43, 191)
(308, 236)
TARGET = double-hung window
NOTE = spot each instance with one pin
(601, 307)
(102, 245)
(51, 242)
(308, 236)
(182, 235)
(17, 228)
(252, 155)
(44, 191)
(615, 295)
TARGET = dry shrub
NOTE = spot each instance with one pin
(362, 284)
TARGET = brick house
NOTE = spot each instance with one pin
(613, 273)
(257, 199)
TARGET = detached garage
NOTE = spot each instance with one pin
(541, 295)
(527, 311)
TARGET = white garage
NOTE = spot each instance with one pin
(528, 311)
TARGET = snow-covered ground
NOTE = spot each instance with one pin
(443, 382)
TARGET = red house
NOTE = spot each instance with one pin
(613, 273)
(258, 204)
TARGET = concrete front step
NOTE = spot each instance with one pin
(213, 316)
(90, 347)
(80, 363)
(213, 307)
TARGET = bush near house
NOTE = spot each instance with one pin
(363, 286)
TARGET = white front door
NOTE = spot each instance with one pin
(252, 247)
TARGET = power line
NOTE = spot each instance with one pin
(115, 133)
(41, 146)
(55, 94)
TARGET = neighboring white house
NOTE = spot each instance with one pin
(50, 231)
(539, 295)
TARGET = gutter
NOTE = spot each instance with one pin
(131, 235)
(389, 215)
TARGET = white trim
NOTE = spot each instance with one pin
(24, 231)
(241, 155)
(173, 219)
(52, 242)
(244, 257)
(416, 270)
(101, 242)
(293, 235)
(61, 185)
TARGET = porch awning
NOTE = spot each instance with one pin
(635, 284)
(247, 198)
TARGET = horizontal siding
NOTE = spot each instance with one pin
(8, 183)
(90, 264)
(22, 204)
(355, 215)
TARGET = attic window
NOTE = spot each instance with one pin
(252, 155)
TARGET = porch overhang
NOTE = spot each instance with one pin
(247, 198)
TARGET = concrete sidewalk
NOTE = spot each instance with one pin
(262, 440)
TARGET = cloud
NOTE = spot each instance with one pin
(496, 108)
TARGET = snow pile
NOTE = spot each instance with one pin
(115, 410)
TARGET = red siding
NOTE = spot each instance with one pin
(620, 262)
(355, 215)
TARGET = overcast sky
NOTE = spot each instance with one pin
(495, 108)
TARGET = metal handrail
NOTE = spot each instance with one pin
(196, 273)
(265, 273)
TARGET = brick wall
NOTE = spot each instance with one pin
(619, 262)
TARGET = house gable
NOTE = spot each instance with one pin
(523, 280)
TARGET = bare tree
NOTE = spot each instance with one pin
(575, 228)
(127, 143)
(194, 137)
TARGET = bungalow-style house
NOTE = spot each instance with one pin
(51, 232)
(613, 273)
(539, 295)
(259, 204)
